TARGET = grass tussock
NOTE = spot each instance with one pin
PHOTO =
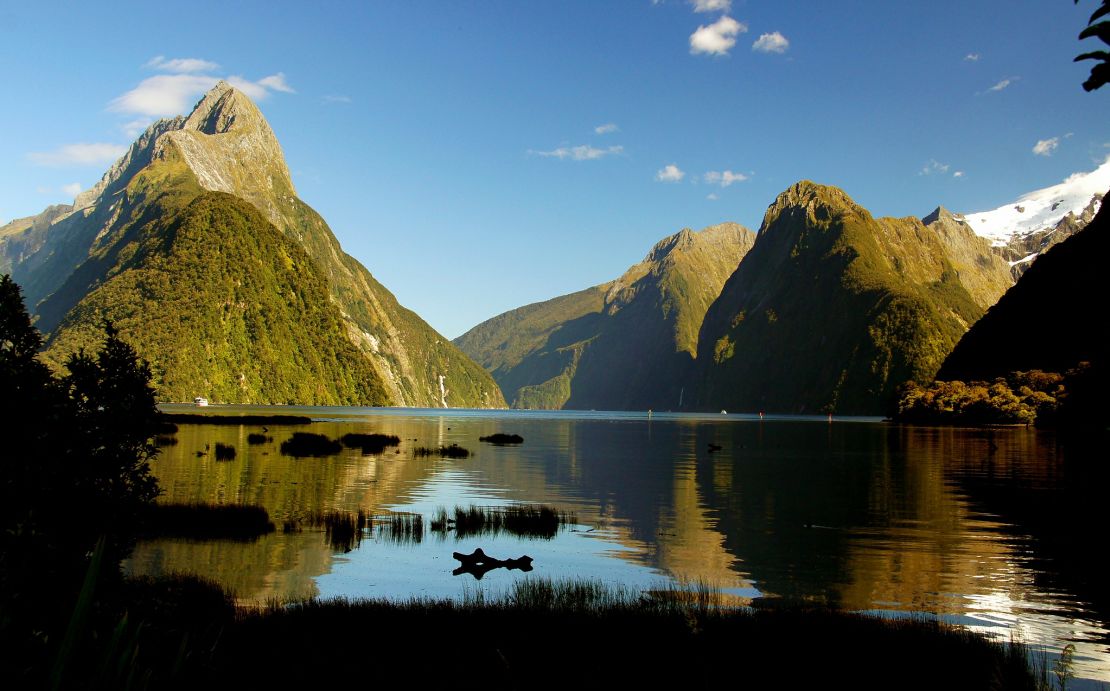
(310, 444)
(451, 451)
(163, 440)
(501, 439)
(616, 638)
(224, 452)
(369, 443)
(257, 438)
(200, 521)
(524, 520)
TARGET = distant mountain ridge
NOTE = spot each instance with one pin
(626, 344)
(226, 145)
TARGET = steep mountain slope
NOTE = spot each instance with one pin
(983, 272)
(1020, 231)
(626, 344)
(1052, 319)
(831, 310)
(225, 145)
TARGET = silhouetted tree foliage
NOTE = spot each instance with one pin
(1100, 72)
(74, 467)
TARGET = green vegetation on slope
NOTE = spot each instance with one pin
(223, 305)
(628, 344)
(830, 311)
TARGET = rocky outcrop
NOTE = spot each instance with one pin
(981, 270)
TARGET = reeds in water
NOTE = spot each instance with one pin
(225, 452)
(522, 520)
(403, 527)
(305, 444)
(256, 438)
(343, 530)
(369, 443)
(451, 451)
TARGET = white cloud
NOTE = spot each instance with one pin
(773, 42)
(163, 95)
(711, 5)
(607, 128)
(717, 38)
(958, 174)
(1001, 85)
(180, 65)
(337, 98)
(584, 152)
(73, 155)
(971, 57)
(135, 127)
(1046, 147)
(72, 189)
(276, 82)
(669, 173)
(723, 178)
(712, 196)
(934, 166)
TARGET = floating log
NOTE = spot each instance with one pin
(478, 563)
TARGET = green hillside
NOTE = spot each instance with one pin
(624, 345)
(222, 305)
(830, 311)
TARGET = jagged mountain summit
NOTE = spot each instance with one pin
(1022, 230)
(132, 249)
(628, 344)
(831, 310)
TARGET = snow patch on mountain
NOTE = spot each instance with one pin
(1041, 209)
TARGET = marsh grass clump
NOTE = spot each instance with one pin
(451, 451)
(521, 520)
(202, 521)
(403, 527)
(343, 530)
(163, 440)
(369, 443)
(256, 438)
(306, 444)
(224, 452)
(501, 439)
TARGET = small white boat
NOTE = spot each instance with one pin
(200, 401)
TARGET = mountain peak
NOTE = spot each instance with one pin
(222, 109)
(941, 214)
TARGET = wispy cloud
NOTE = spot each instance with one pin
(584, 152)
(180, 65)
(711, 5)
(717, 38)
(607, 128)
(712, 196)
(934, 167)
(276, 82)
(72, 189)
(134, 128)
(958, 174)
(724, 178)
(1002, 84)
(337, 98)
(171, 94)
(971, 57)
(669, 173)
(1046, 147)
(773, 42)
(76, 155)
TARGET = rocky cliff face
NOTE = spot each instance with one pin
(226, 145)
(624, 345)
(982, 271)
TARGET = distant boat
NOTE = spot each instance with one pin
(200, 401)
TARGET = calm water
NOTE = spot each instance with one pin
(988, 529)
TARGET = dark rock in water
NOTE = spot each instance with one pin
(256, 438)
(478, 563)
(225, 452)
(501, 439)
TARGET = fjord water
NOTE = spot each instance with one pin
(985, 528)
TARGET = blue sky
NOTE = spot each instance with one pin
(478, 156)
